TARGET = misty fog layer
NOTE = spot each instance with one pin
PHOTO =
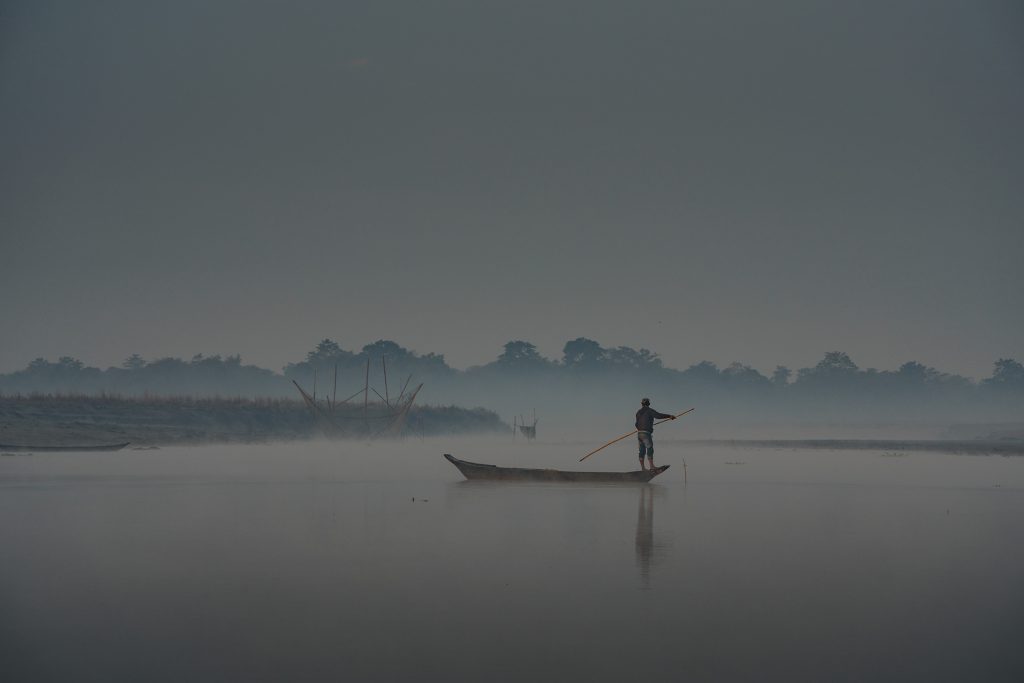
(589, 384)
(377, 562)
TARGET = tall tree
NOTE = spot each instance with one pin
(836, 363)
(521, 355)
(133, 362)
(583, 354)
(326, 350)
(781, 375)
(1007, 373)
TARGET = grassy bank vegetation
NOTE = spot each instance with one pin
(64, 419)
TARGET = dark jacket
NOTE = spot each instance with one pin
(645, 418)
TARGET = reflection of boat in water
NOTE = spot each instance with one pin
(102, 447)
(473, 470)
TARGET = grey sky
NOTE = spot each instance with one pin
(727, 181)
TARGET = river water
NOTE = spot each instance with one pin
(357, 562)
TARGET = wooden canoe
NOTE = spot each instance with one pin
(103, 447)
(474, 470)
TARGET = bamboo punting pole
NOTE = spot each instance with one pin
(631, 434)
(385, 366)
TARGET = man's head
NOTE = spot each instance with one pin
(645, 401)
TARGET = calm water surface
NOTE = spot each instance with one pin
(350, 562)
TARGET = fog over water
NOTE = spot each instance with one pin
(352, 561)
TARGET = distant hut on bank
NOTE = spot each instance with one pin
(381, 417)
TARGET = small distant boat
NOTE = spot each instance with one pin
(40, 449)
(474, 470)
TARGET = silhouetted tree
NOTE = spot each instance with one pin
(704, 372)
(1006, 374)
(133, 362)
(386, 347)
(916, 373)
(738, 373)
(835, 366)
(624, 357)
(583, 354)
(69, 363)
(402, 360)
(323, 359)
(836, 363)
(521, 354)
(326, 351)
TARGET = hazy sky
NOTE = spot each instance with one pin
(746, 181)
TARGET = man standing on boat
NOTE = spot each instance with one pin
(645, 418)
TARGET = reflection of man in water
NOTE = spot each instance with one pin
(645, 534)
(645, 418)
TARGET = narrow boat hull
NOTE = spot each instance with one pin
(474, 471)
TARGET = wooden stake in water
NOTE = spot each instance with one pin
(631, 434)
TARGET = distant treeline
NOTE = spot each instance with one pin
(586, 377)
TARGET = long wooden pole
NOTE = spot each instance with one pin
(399, 399)
(366, 387)
(631, 434)
(352, 396)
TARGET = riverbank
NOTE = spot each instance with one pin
(1008, 446)
(61, 420)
